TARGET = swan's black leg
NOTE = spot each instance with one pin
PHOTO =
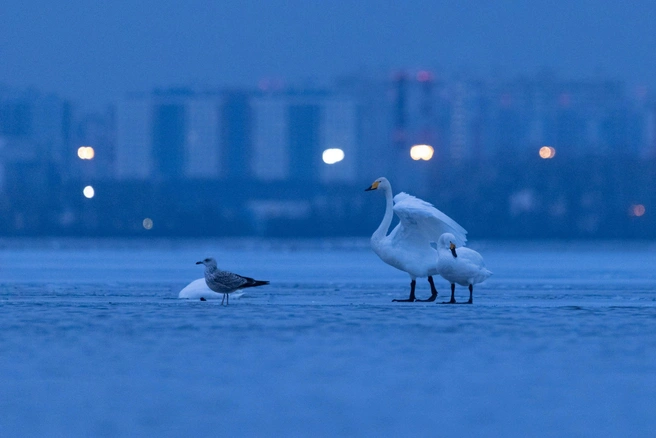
(471, 294)
(453, 295)
(224, 295)
(433, 290)
(412, 294)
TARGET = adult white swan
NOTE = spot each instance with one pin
(408, 246)
(464, 266)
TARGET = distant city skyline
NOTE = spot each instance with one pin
(292, 161)
(95, 53)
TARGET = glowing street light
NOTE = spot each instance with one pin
(421, 152)
(85, 153)
(88, 192)
(147, 223)
(637, 210)
(547, 152)
(332, 156)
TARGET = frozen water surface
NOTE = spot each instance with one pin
(561, 341)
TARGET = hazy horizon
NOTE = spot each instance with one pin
(94, 53)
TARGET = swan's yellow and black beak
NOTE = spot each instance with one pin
(374, 186)
(452, 247)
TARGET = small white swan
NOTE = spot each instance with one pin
(408, 246)
(463, 266)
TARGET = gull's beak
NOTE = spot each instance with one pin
(452, 247)
(199, 263)
(374, 186)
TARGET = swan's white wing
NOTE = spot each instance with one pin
(421, 219)
(471, 258)
(468, 268)
(473, 265)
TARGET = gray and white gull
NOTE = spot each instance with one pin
(225, 282)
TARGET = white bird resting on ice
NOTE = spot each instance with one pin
(463, 266)
(198, 290)
(408, 246)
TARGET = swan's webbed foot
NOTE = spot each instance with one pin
(453, 295)
(433, 289)
(411, 298)
(427, 300)
(203, 299)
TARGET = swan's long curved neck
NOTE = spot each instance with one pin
(381, 232)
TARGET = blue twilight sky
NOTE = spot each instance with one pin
(95, 51)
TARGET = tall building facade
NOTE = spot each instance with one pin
(35, 137)
(282, 135)
(202, 152)
(133, 139)
(171, 135)
(292, 130)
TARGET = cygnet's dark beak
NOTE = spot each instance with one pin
(452, 247)
(199, 263)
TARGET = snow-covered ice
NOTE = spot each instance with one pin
(559, 342)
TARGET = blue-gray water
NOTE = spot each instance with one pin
(561, 341)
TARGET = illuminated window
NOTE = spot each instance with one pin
(424, 76)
